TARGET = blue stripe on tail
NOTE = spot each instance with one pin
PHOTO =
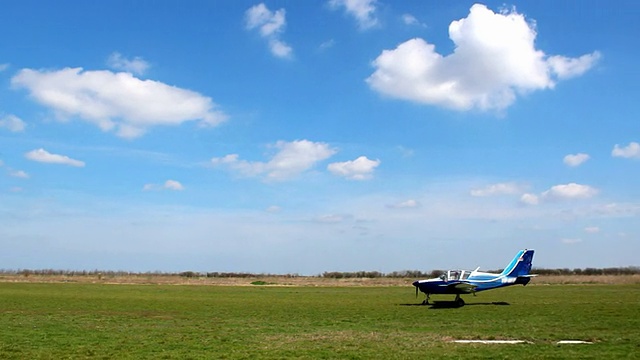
(520, 265)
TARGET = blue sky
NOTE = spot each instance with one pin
(302, 137)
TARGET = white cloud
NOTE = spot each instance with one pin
(327, 44)
(43, 156)
(19, 174)
(631, 151)
(409, 19)
(570, 191)
(592, 229)
(530, 199)
(3, 67)
(12, 123)
(494, 60)
(574, 160)
(411, 203)
(136, 66)
(116, 102)
(498, 189)
(565, 67)
(359, 169)
(173, 185)
(168, 185)
(270, 24)
(331, 218)
(291, 159)
(362, 10)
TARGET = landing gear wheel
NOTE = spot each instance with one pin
(460, 302)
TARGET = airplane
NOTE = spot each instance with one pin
(470, 282)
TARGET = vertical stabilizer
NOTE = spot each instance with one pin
(520, 265)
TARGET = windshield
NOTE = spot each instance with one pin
(453, 275)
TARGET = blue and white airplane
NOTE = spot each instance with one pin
(470, 282)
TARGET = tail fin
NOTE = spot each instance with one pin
(520, 265)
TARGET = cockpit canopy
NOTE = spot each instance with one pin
(453, 275)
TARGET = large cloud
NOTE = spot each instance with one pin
(494, 60)
(291, 159)
(117, 102)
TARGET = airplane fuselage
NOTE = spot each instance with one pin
(467, 282)
(475, 282)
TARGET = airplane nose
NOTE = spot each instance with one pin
(415, 283)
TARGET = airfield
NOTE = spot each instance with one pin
(270, 317)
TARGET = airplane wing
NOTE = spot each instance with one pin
(462, 287)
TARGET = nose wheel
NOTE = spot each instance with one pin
(459, 302)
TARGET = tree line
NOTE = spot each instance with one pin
(631, 270)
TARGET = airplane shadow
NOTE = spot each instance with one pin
(455, 305)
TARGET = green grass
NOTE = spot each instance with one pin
(70, 321)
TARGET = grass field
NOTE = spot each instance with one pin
(103, 321)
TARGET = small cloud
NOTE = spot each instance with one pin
(571, 241)
(327, 44)
(19, 174)
(530, 199)
(168, 185)
(3, 67)
(274, 209)
(411, 20)
(631, 151)
(362, 10)
(405, 204)
(135, 66)
(498, 189)
(358, 169)
(173, 185)
(592, 229)
(291, 160)
(43, 156)
(406, 152)
(570, 191)
(566, 68)
(12, 123)
(575, 160)
(331, 219)
(270, 25)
